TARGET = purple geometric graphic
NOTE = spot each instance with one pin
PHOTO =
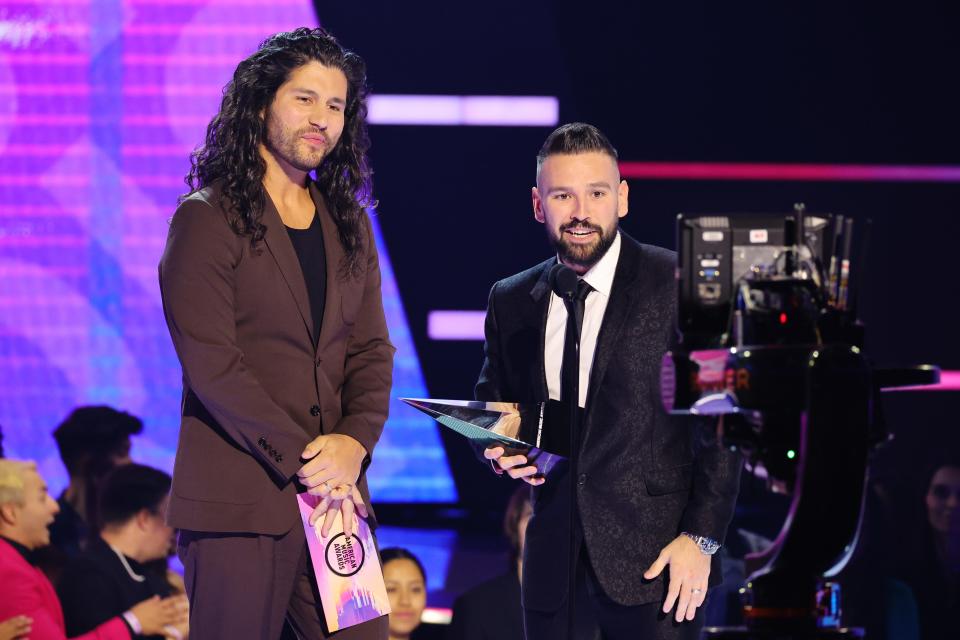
(356, 607)
(101, 102)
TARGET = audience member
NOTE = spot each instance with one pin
(109, 576)
(17, 626)
(491, 610)
(26, 511)
(931, 560)
(92, 441)
(406, 583)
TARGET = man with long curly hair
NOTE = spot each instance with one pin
(271, 290)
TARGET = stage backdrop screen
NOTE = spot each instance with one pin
(101, 102)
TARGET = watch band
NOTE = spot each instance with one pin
(708, 546)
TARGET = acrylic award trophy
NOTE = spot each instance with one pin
(539, 431)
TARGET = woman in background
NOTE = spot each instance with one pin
(406, 583)
(932, 563)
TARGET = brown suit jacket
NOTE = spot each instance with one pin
(255, 388)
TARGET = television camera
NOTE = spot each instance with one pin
(771, 341)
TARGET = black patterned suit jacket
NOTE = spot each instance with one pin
(643, 475)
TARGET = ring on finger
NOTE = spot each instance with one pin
(696, 591)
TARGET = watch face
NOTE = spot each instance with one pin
(709, 548)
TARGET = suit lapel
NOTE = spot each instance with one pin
(540, 293)
(623, 298)
(281, 248)
(333, 252)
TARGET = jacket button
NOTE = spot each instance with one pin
(582, 480)
(262, 442)
(315, 410)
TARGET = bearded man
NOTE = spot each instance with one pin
(271, 290)
(654, 494)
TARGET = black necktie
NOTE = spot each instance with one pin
(571, 355)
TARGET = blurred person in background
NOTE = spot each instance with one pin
(26, 511)
(930, 557)
(406, 582)
(17, 626)
(491, 610)
(92, 441)
(109, 577)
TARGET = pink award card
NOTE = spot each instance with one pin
(349, 577)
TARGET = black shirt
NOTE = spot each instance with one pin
(69, 531)
(308, 243)
(98, 585)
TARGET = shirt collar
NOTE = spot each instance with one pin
(600, 275)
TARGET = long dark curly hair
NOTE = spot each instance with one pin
(230, 152)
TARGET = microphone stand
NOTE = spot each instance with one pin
(573, 393)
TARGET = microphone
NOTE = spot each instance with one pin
(563, 280)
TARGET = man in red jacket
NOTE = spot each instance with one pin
(26, 511)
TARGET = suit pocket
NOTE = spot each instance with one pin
(669, 480)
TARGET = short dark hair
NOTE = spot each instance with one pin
(399, 553)
(129, 489)
(575, 137)
(94, 433)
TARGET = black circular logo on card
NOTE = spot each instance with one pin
(344, 555)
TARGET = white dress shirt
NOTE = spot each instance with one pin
(600, 277)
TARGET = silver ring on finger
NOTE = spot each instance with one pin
(696, 591)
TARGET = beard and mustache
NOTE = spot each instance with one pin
(583, 255)
(287, 144)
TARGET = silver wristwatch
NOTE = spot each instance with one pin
(708, 546)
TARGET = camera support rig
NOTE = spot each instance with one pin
(781, 360)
